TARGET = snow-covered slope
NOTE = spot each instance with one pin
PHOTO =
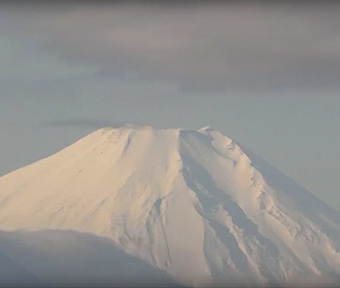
(190, 202)
(72, 259)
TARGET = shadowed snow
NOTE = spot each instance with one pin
(72, 259)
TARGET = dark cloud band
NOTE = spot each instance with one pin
(200, 46)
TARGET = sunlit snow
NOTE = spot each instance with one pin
(191, 202)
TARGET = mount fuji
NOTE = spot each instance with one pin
(191, 203)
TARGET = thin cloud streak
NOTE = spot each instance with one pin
(88, 123)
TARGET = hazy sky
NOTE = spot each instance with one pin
(265, 75)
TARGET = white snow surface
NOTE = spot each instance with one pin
(190, 202)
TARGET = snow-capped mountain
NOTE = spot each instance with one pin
(190, 202)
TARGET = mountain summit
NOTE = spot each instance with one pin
(190, 202)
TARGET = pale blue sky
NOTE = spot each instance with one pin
(265, 76)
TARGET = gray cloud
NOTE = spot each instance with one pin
(198, 46)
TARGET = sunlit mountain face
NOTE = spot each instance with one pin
(191, 203)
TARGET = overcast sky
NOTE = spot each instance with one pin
(265, 75)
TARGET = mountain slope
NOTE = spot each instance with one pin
(189, 202)
(72, 259)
